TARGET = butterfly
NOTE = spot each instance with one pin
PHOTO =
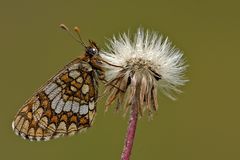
(65, 104)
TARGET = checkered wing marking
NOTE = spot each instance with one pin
(63, 106)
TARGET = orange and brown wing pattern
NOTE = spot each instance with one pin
(65, 105)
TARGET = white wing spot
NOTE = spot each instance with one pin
(85, 89)
(59, 81)
(79, 80)
(67, 106)
(55, 101)
(74, 89)
(91, 105)
(83, 109)
(54, 93)
(74, 74)
(75, 107)
(49, 88)
(59, 106)
(73, 67)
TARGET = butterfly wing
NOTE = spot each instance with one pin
(65, 105)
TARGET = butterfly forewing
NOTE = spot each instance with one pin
(65, 105)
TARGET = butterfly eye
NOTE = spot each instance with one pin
(91, 51)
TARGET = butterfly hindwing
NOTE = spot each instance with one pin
(65, 105)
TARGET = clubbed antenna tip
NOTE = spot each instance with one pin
(64, 27)
(76, 29)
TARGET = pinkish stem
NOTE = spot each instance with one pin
(131, 130)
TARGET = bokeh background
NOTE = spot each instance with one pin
(203, 124)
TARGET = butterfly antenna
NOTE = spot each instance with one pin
(64, 27)
(77, 30)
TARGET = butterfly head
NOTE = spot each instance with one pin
(92, 49)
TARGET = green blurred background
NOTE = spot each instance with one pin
(203, 124)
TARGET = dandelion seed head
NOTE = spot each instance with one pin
(147, 61)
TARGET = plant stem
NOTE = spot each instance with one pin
(132, 125)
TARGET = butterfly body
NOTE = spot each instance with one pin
(64, 105)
